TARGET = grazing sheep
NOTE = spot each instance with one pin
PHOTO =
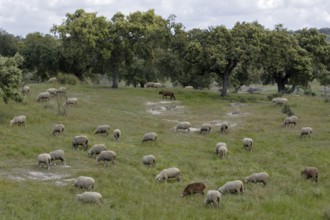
(150, 84)
(116, 134)
(52, 91)
(44, 159)
(61, 90)
(106, 156)
(248, 143)
(84, 182)
(96, 149)
(306, 131)
(25, 90)
(18, 120)
(213, 197)
(218, 145)
(149, 160)
(157, 85)
(183, 126)
(167, 93)
(169, 173)
(151, 136)
(257, 178)
(290, 120)
(310, 173)
(193, 188)
(52, 80)
(224, 127)
(71, 102)
(43, 97)
(102, 129)
(206, 128)
(90, 197)
(188, 87)
(235, 186)
(57, 155)
(222, 152)
(58, 129)
(80, 140)
(279, 101)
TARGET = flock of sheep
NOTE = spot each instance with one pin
(102, 154)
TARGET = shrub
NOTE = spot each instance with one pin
(275, 95)
(287, 110)
(69, 79)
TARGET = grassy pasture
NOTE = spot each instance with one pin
(128, 188)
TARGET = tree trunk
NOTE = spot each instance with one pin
(114, 77)
(280, 85)
(224, 84)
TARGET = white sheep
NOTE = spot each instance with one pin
(18, 120)
(165, 174)
(102, 129)
(188, 87)
(213, 197)
(306, 131)
(52, 80)
(43, 97)
(149, 160)
(84, 182)
(218, 145)
(235, 186)
(90, 197)
(183, 126)
(106, 156)
(206, 128)
(151, 136)
(25, 90)
(52, 91)
(44, 159)
(116, 134)
(290, 120)
(58, 129)
(80, 140)
(261, 177)
(248, 143)
(157, 85)
(61, 90)
(96, 149)
(71, 102)
(224, 127)
(149, 84)
(279, 101)
(57, 155)
(222, 152)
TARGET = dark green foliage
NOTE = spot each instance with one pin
(68, 79)
(287, 110)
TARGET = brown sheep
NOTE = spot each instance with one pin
(311, 173)
(167, 93)
(193, 188)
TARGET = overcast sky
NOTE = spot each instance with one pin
(20, 17)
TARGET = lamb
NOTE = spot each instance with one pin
(57, 155)
(71, 102)
(90, 197)
(18, 120)
(213, 197)
(279, 101)
(52, 80)
(96, 149)
(52, 91)
(43, 97)
(116, 134)
(25, 90)
(106, 156)
(183, 126)
(235, 186)
(84, 182)
(306, 131)
(151, 136)
(224, 127)
(149, 160)
(222, 152)
(167, 93)
(193, 188)
(248, 143)
(261, 177)
(290, 120)
(206, 128)
(80, 140)
(165, 174)
(310, 173)
(102, 129)
(58, 129)
(44, 159)
(218, 145)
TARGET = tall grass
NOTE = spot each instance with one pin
(128, 188)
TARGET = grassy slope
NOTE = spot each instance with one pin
(128, 188)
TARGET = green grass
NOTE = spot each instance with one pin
(128, 188)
